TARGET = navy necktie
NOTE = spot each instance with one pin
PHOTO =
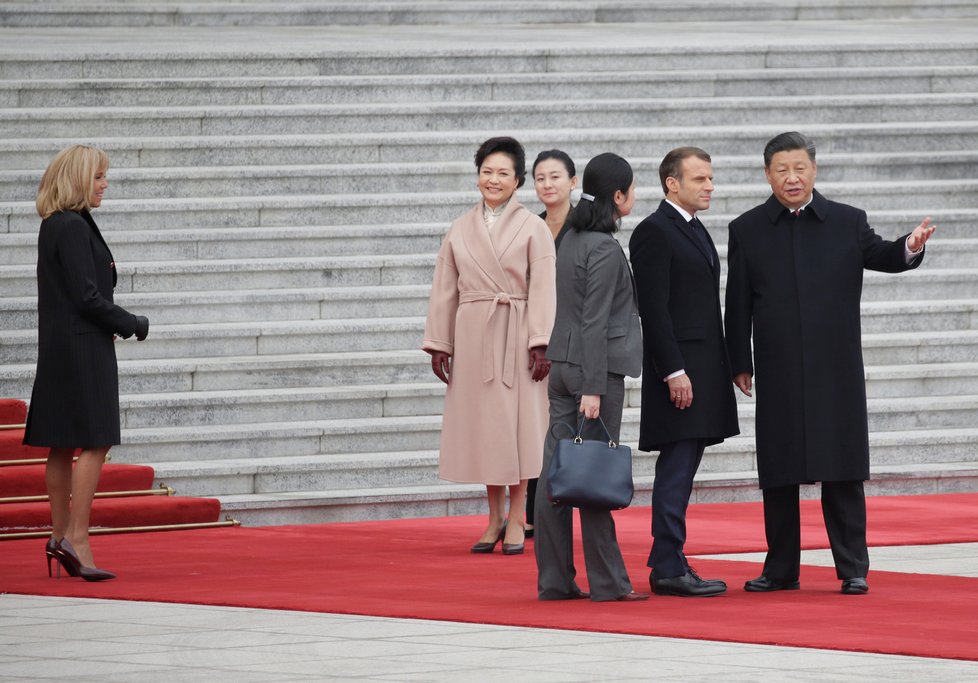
(704, 241)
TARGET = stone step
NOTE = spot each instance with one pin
(232, 373)
(237, 243)
(463, 12)
(376, 301)
(893, 334)
(209, 307)
(395, 208)
(243, 406)
(442, 499)
(417, 270)
(255, 273)
(272, 336)
(236, 339)
(953, 246)
(799, 111)
(960, 346)
(478, 87)
(382, 472)
(298, 51)
(366, 435)
(356, 435)
(172, 183)
(270, 149)
(225, 275)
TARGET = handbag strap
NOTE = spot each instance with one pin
(570, 428)
(580, 428)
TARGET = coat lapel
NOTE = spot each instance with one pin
(685, 230)
(98, 234)
(481, 247)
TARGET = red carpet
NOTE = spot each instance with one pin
(422, 569)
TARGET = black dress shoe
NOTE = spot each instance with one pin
(762, 584)
(689, 585)
(714, 582)
(855, 586)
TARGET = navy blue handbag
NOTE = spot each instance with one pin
(590, 474)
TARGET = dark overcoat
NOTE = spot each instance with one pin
(75, 401)
(677, 283)
(796, 284)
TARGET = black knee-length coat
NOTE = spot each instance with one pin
(677, 284)
(75, 401)
(796, 283)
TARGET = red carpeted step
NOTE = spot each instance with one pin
(12, 448)
(12, 411)
(117, 513)
(28, 480)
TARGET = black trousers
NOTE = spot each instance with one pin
(674, 471)
(844, 511)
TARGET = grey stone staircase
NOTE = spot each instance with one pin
(280, 186)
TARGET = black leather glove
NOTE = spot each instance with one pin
(441, 365)
(142, 327)
(539, 365)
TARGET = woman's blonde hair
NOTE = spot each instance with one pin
(69, 180)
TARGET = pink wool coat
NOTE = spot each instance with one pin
(493, 299)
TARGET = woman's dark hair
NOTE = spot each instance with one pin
(508, 146)
(788, 142)
(559, 156)
(604, 175)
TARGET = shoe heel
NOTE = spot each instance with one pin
(51, 553)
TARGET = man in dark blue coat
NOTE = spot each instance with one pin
(795, 280)
(677, 277)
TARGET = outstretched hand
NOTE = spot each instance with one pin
(920, 235)
(441, 365)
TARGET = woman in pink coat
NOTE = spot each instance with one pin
(489, 319)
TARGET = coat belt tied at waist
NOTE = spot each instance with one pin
(517, 304)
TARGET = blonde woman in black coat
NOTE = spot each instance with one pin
(75, 401)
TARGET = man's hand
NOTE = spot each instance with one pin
(920, 235)
(441, 365)
(590, 406)
(743, 382)
(681, 391)
(539, 365)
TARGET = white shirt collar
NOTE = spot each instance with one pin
(682, 212)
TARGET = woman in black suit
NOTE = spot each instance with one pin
(75, 401)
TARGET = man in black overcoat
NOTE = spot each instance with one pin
(677, 277)
(795, 279)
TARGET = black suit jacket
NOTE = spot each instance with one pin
(679, 301)
(794, 286)
(75, 401)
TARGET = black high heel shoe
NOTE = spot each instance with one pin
(485, 547)
(51, 552)
(67, 557)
